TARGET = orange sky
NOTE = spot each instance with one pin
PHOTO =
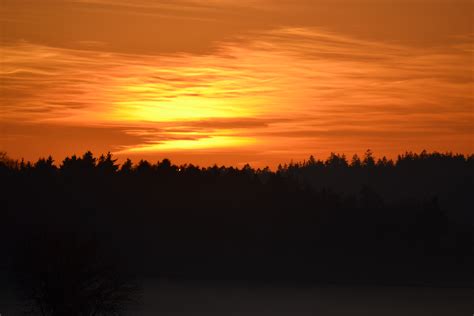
(231, 82)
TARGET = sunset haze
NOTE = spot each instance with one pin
(235, 82)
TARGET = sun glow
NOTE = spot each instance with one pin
(169, 92)
(200, 143)
(179, 108)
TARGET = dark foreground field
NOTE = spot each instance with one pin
(185, 298)
(215, 299)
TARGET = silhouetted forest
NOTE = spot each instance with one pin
(364, 220)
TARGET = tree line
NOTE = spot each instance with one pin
(369, 220)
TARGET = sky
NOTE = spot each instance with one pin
(235, 81)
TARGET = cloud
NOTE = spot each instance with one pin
(155, 27)
(32, 141)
